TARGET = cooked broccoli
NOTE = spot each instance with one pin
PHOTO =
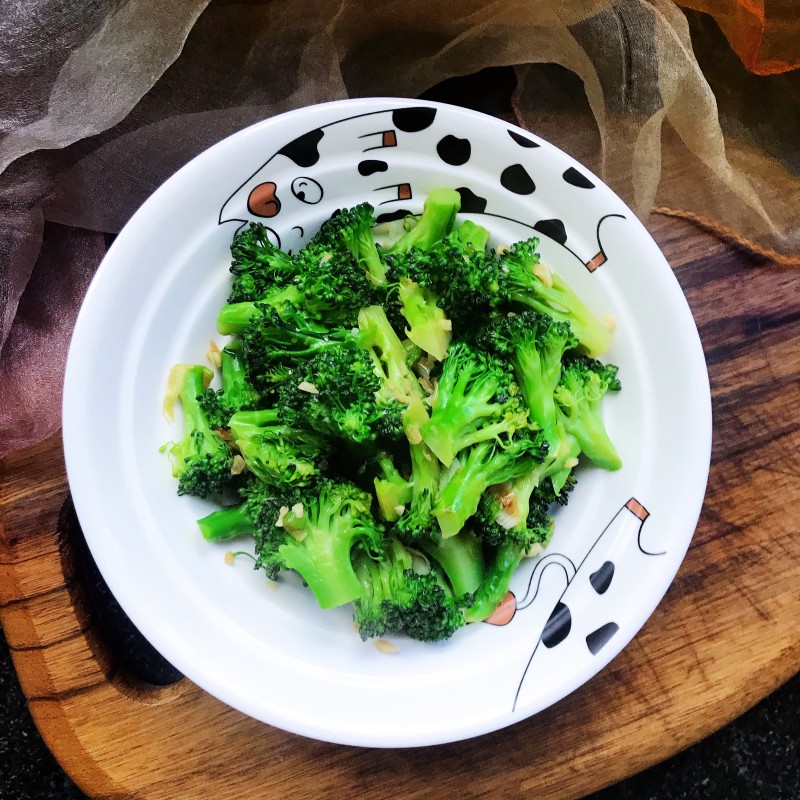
(474, 237)
(236, 394)
(481, 466)
(437, 220)
(508, 554)
(477, 400)
(584, 383)
(428, 327)
(391, 489)
(257, 264)
(524, 280)
(243, 519)
(461, 559)
(281, 455)
(201, 460)
(397, 598)
(314, 532)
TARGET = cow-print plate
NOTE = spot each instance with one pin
(274, 654)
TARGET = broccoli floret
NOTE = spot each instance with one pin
(579, 394)
(391, 489)
(314, 531)
(523, 280)
(236, 394)
(477, 400)
(281, 455)
(257, 264)
(510, 551)
(437, 220)
(397, 599)
(428, 327)
(483, 465)
(234, 318)
(202, 460)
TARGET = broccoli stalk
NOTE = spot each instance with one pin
(525, 281)
(584, 383)
(201, 460)
(280, 454)
(397, 599)
(461, 558)
(236, 394)
(391, 489)
(476, 401)
(428, 328)
(314, 534)
(474, 237)
(226, 523)
(234, 318)
(437, 220)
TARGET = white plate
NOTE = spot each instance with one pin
(274, 654)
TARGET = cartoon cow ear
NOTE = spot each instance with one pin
(263, 200)
(307, 190)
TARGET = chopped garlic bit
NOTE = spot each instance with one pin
(571, 462)
(238, 466)
(542, 272)
(610, 322)
(214, 354)
(384, 646)
(413, 434)
(326, 257)
(399, 510)
(224, 433)
(447, 324)
(297, 510)
(272, 585)
(229, 558)
(534, 550)
(305, 386)
(282, 512)
(502, 250)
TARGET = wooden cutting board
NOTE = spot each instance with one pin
(725, 635)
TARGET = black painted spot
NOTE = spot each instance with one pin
(601, 579)
(303, 150)
(471, 203)
(391, 216)
(371, 165)
(516, 179)
(413, 120)
(578, 179)
(453, 150)
(558, 626)
(522, 141)
(598, 639)
(554, 228)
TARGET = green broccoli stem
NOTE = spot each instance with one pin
(461, 558)
(428, 328)
(236, 388)
(233, 318)
(498, 578)
(225, 523)
(392, 491)
(473, 236)
(593, 439)
(437, 220)
(561, 303)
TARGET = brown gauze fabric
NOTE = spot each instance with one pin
(101, 101)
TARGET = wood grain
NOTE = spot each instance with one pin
(725, 635)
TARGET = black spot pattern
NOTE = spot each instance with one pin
(601, 579)
(391, 216)
(413, 120)
(453, 150)
(516, 179)
(554, 228)
(598, 639)
(471, 203)
(558, 626)
(372, 165)
(575, 178)
(303, 150)
(522, 141)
